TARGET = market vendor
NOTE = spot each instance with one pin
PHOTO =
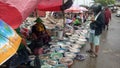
(77, 21)
(39, 34)
(68, 25)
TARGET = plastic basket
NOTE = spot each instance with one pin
(56, 55)
(44, 57)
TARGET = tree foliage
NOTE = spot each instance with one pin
(105, 2)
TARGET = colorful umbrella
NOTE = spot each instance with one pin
(9, 42)
(83, 9)
(75, 9)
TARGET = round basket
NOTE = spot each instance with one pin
(56, 55)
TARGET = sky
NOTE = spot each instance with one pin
(77, 2)
(82, 2)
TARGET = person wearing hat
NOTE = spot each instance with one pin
(39, 35)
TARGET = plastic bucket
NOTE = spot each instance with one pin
(60, 34)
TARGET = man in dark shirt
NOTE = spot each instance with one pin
(96, 27)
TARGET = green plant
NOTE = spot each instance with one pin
(105, 2)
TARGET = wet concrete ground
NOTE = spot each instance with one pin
(109, 53)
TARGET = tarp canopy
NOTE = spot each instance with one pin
(54, 5)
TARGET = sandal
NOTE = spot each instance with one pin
(94, 55)
(89, 51)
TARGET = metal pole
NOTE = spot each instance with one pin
(63, 15)
(36, 13)
(63, 25)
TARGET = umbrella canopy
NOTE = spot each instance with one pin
(13, 12)
(73, 9)
(54, 5)
(83, 9)
(9, 42)
(76, 9)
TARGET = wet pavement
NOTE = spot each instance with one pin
(109, 53)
